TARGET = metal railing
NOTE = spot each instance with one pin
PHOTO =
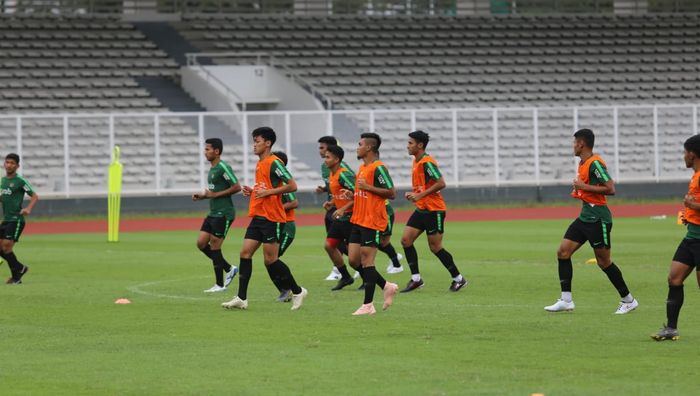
(66, 155)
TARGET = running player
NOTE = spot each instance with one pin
(373, 187)
(221, 185)
(687, 255)
(594, 224)
(323, 143)
(290, 202)
(340, 181)
(13, 187)
(429, 215)
(268, 217)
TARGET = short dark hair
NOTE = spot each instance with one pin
(374, 140)
(337, 151)
(692, 144)
(12, 156)
(281, 156)
(267, 133)
(420, 137)
(329, 140)
(587, 136)
(216, 144)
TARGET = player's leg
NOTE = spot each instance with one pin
(574, 237)
(599, 239)
(328, 221)
(286, 240)
(410, 234)
(278, 268)
(686, 258)
(387, 248)
(10, 237)
(435, 245)
(333, 239)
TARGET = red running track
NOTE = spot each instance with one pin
(178, 224)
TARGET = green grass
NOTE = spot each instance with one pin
(63, 334)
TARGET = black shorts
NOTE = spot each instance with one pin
(430, 222)
(328, 218)
(340, 230)
(11, 230)
(688, 252)
(263, 230)
(389, 227)
(597, 234)
(365, 236)
(217, 226)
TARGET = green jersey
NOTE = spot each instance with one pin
(220, 178)
(592, 213)
(13, 190)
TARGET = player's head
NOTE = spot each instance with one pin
(583, 139)
(213, 148)
(334, 155)
(11, 163)
(263, 139)
(369, 143)
(324, 142)
(692, 150)
(417, 142)
(281, 155)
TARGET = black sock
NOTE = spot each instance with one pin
(15, 265)
(673, 305)
(287, 280)
(344, 272)
(370, 278)
(219, 260)
(206, 251)
(343, 248)
(219, 275)
(615, 276)
(362, 273)
(381, 282)
(274, 276)
(391, 252)
(566, 273)
(446, 260)
(12, 270)
(245, 272)
(412, 259)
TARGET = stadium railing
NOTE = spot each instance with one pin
(66, 155)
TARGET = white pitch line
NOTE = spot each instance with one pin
(138, 289)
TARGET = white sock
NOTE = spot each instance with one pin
(566, 296)
(457, 278)
(628, 298)
(415, 277)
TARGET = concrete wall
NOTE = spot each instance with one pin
(454, 196)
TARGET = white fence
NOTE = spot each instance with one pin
(66, 155)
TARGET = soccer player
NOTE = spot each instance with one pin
(290, 202)
(13, 187)
(687, 255)
(594, 224)
(323, 143)
(268, 218)
(373, 186)
(341, 182)
(429, 215)
(221, 185)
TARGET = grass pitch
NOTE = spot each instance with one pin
(63, 334)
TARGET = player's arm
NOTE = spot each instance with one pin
(292, 202)
(606, 188)
(347, 184)
(223, 193)
(33, 199)
(383, 185)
